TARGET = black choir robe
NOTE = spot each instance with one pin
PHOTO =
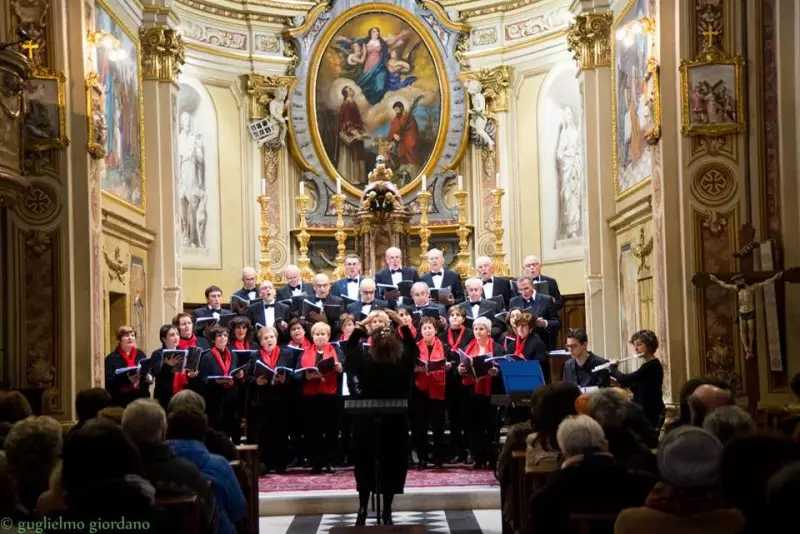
(269, 408)
(202, 313)
(222, 403)
(119, 386)
(548, 286)
(285, 292)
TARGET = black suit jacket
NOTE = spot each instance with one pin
(384, 276)
(256, 315)
(542, 306)
(501, 287)
(354, 308)
(548, 286)
(333, 321)
(285, 292)
(339, 287)
(417, 316)
(450, 279)
(487, 309)
(244, 294)
(202, 313)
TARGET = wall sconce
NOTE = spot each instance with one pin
(99, 38)
(629, 31)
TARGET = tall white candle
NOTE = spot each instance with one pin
(424, 183)
(302, 188)
(338, 186)
(497, 180)
(263, 187)
(460, 182)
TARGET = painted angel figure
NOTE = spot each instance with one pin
(745, 297)
(399, 67)
(478, 117)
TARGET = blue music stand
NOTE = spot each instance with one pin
(521, 377)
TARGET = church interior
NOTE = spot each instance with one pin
(632, 161)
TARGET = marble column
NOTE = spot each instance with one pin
(162, 58)
(589, 41)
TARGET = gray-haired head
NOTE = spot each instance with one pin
(580, 434)
(608, 408)
(145, 422)
(187, 400)
(728, 422)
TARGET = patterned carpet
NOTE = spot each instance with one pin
(342, 479)
(435, 522)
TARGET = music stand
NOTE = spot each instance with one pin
(519, 378)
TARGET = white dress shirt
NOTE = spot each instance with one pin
(269, 315)
(437, 279)
(396, 279)
(352, 290)
(488, 288)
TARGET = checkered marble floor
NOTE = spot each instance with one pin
(437, 522)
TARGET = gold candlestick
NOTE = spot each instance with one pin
(463, 266)
(500, 267)
(341, 236)
(424, 198)
(303, 261)
(265, 274)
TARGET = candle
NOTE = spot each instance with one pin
(424, 183)
(338, 186)
(497, 180)
(302, 188)
(263, 187)
(460, 182)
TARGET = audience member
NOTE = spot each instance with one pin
(555, 402)
(587, 463)
(687, 499)
(33, 447)
(215, 441)
(728, 422)
(13, 407)
(9, 510)
(684, 412)
(186, 431)
(112, 414)
(145, 423)
(87, 403)
(783, 489)
(705, 399)
(52, 501)
(791, 425)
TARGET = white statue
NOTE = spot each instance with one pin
(276, 112)
(478, 116)
(570, 169)
(191, 184)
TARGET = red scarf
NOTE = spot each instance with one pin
(483, 386)
(239, 345)
(455, 344)
(271, 358)
(519, 345)
(224, 362)
(329, 385)
(180, 380)
(411, 327)
(130, 358)
(305, 345)
(432, 382)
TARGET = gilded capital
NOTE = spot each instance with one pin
(263, 89)
(589, 40)
(494, 83)
(162, 53)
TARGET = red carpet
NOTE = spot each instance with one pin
(342, 479)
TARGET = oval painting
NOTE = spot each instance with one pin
(377, 92)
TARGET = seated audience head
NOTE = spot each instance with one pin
(213, 297)
(377, 319)
(322, 285)
(420, 293)
(8, 496)
(187, 400)
(321, 334)
(90, 401)
(728, 422)
(241, 328)
(577, 342)
(482, 328)
(169, 336)
(474, 288)
(394, 258)
(485, 267)
(187, 425)
(582, 404)
(352, 265)
(457, 316)
(608, 408)
(705, 399)
(33, 448)
(185, 325)
(690, 458)
(645, 342)
(435, 260)
(367, 290)
(14, 407)
(782, 491)
(249, 278)
(580, 434)
(145, 422)
(266, 291)
(112, 414)
(532, 266)
(684, 411)
(550, 405)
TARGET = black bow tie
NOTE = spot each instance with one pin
(393, 271)
(352, 280)
(489, 281)
(294, 288)
(440, 273)
(476, 303)
(215, 311)
(269, 305)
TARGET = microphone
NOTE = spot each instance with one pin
(23, 36)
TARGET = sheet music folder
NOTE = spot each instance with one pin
(521, 376)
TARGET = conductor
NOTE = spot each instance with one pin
(384, 367)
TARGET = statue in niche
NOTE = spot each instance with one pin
(479, 118)
(570, 169)
(277, 117)
(192, 184)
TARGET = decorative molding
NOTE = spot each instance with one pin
(709, 24)
(484, 36)
(715, 223)
(163, 54)
(714, 184)
(39, 205)
(114, 225)
(545, 22)
(33, 16)
(771, 199)
(500, 7)
(14, 70)
(589, 40)
(495, 82)
(117, 267)
(629, 217)
(215, 36)
(642, 250)
(262, 89)
(267, 43)
(720, 360)
(235, 14)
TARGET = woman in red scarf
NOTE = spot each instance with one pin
(511, 327)
(271, 392)
(428, 397)
(298, 343)
(162, 368)
(320, 399)
(408, 320)
(347, 323)
(221, 394)
(527, 345)
(480, 413)
(131, 385)
(242, 346)
(456, 336)
(183, 322)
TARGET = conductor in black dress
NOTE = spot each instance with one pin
(385, 370)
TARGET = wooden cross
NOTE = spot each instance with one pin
(29, 47)
(709, 33)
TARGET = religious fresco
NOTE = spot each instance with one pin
(120, 79)
(377, 94)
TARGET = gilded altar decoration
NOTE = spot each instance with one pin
(589, 40)
(162, 53)
(117, 266)
(494, 83)
(14, 71)
(642, 250)
(712, 94)
(267, 95)
(120, 76)
(377, 80)
(96, 124)
(45, 114)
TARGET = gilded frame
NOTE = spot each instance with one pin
(441, 74)
(61, 140)
(709, 58)
(651, 71)
(143, 160)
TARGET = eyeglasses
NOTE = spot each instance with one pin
(367, 292)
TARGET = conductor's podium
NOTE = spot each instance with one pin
(376, 406)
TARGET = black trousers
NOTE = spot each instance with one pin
(271, 421)
(454, 398)
(222, 409)
(296, 424)
(345, 433)
(322, 429)
(427, 412)
(481, 417)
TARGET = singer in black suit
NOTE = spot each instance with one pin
(493, 286)
(439, 277)
(476, 306)
(348, 286)
(393, 274)
(248, 292)
(367, 303)
(547, 324)
(268, 312)
(294, 284)
(213, 305)
(332, 307)
(543, 284)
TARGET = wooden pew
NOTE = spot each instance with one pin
(249, 457)
(592, 523)
(185, 508)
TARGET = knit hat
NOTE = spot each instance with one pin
(690, 457)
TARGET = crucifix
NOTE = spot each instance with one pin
(709, 33)
(745, 285)
(29, 47)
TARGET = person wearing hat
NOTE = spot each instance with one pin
(688, 497)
